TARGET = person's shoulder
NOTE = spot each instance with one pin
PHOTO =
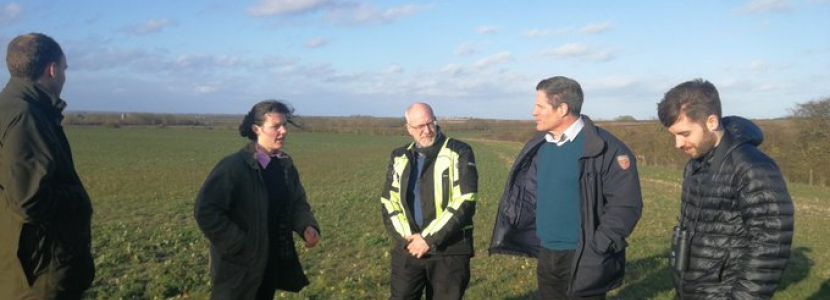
(401, 150)
(457, 144)
(610, 139)
(232, 161)
(16, 113)
(18, 108)
(747, 156)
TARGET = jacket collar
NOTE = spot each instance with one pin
(35, 93)
(249, 154)
(736, 131)
(593, 144)
(430, 151)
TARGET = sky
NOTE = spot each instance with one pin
(479, 59)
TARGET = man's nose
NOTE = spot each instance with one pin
(678, 142)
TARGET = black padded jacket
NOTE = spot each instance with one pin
(736, 204)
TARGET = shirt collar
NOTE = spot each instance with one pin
(264, 157)
(570, 133)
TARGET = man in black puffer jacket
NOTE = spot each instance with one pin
(736, 223)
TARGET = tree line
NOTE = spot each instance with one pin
(799, 143)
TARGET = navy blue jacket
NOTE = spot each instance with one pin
(610, 206)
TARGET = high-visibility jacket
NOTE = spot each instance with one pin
(448, 192)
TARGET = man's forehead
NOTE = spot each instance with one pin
(420, 114)
(684, 123)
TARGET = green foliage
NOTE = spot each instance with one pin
(813, 139)
(625, 118)
(143, 182)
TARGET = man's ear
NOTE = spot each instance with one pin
(563, 109)
(712, 123)
(51, 70)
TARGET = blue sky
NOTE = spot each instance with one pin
(467, 58)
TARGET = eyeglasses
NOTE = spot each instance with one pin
(422, 127)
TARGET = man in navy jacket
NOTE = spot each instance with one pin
(571, 199)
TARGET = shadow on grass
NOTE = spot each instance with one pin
(646, 278)
(797, 269)
(823, 292)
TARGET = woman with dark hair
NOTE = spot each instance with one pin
(249, 205)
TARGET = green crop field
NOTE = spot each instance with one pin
(147, 246)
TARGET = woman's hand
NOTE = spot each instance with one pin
(311, 237)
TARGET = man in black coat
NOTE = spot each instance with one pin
(736, 216)
(571, 199)
(45, 212)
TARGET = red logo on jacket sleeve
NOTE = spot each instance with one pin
(624, 161)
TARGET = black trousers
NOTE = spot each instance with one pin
(442, 276)
(553, 275)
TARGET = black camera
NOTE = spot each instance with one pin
(680, 248)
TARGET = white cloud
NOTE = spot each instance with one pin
(495, 59)
(206, 65)
(487, 29)
(394, 69)
(595, 28)
(204, 89)
(285, 7)
(10, 12)
(465, 50)
(611, 82)
(570, 49)
(547, 32)
(451, 69)
(91, 56)
(316, 43)
(769, 86)
(367, 14)
(764, 6)
(150, 26)
(580, 51)
(757, 66)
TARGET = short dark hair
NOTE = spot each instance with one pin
(560, 89)
(28, 55)
(696, 98)
(257, 116)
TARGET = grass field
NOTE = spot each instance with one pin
(147, 246)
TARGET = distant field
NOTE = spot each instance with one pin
(147, 246)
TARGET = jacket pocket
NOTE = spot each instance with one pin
(703, 270)
(598, 272)
(228, 280)
(246, 253)
(34, 251)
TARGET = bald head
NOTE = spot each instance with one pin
(418, 109)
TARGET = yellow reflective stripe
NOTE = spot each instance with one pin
(397, 216)
(447, 215)
(393, 205)
(446, 160)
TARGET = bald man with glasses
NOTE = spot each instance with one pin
(428, 203)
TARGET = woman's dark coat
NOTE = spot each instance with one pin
(232, 211)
